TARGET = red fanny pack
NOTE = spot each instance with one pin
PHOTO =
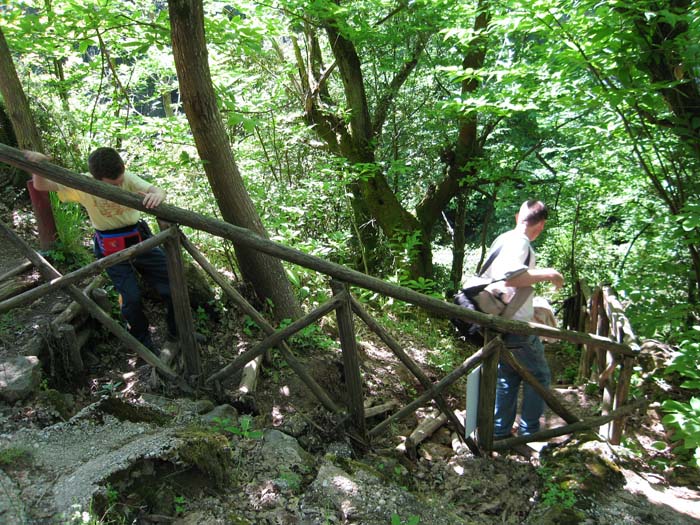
(115, 242)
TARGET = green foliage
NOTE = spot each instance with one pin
(684, 419)
(7, 323)
(396, 519)
(14, 457)
(109, 389)
(290, 479)
(180, 504)
(201, 321)
(685, 362)
(309, 338)
(555, 494)
(244, 428)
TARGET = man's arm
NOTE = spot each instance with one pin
(536, 275)
(40, 183)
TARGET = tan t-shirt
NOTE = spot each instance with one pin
(105, 214)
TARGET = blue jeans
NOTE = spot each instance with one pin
(529, 352)
(152, 267)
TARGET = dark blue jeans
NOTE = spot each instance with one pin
(152, 267)
(529, 352)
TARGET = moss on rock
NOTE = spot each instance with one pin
(209, 452)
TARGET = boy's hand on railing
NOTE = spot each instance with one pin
(153, 197)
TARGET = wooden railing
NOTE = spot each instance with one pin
(341, 302)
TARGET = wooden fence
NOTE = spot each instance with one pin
(341, 302)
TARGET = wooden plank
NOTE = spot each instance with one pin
(61, 281)
(423, 431)
(468, 365)
(378, 410)
(249, 377)
(67, 315)
(258, 318)
(181, 307)
(351, 360)
(487, 395)
(49, 272)
(544, 393)
(248, 239)
(275, 339)
(17, 270)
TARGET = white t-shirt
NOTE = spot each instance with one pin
(510, 261)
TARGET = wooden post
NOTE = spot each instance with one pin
(181, 307)
(589, 350)
(46, 225)
(351, 362)
(487, 396)
(100, 296)
(68, 339)
(623, 389)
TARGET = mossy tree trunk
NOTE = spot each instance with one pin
(356, 139)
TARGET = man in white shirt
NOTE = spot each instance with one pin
(517, 259)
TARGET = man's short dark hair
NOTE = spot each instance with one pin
(536, 212)
(105, 163)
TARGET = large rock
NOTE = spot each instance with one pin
(19, 377)
(123, 447)
(363, 496)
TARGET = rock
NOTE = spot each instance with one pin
(294, 425)
(340, 449)
(365, 497)
(221, 413)
(280, 449)
(11, 506)
(200, 517)
(203, 406)
(19, 378)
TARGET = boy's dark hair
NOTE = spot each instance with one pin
(105, 163)
(537, 212)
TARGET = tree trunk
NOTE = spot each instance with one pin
(17, 106)
(28, 137)
(199, 100)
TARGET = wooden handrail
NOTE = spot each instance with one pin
(249, 239)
